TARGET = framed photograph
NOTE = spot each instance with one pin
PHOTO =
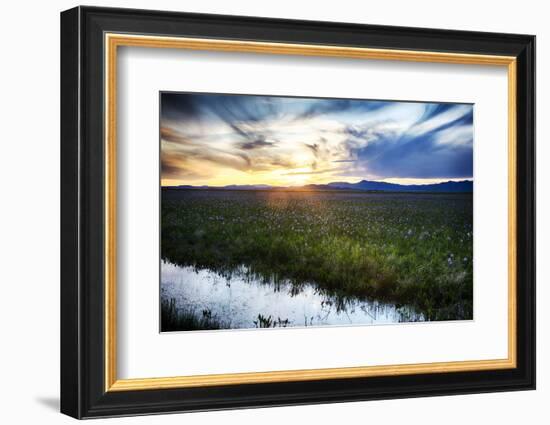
(261, 212)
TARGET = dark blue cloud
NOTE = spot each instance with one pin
(433, 109)
(424, 155)
(319, 107)
(178, 106)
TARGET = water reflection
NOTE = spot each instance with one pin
(243, 301)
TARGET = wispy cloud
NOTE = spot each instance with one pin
(222, 139)
(259, 143)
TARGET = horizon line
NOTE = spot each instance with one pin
(320, 184)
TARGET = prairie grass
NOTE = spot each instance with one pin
(409, 249)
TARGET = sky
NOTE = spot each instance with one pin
(217, 140)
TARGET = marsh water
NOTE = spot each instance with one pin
(239, 300)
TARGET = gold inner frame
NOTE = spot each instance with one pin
(113, 41)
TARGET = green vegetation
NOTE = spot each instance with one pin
(174, 319)
(268, 322)
(408, 249)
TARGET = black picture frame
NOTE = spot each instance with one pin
(83, 392)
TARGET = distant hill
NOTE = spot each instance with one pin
(248, 187)
(464, 186)
(450, 186)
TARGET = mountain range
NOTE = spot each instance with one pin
(464, 186)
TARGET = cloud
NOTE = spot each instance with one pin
(304, 173)
(317, 107)
(217, 136)
(178, 149)
(314, 147)
(259, 143)
(441, 146)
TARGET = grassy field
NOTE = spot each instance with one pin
(408, 249)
